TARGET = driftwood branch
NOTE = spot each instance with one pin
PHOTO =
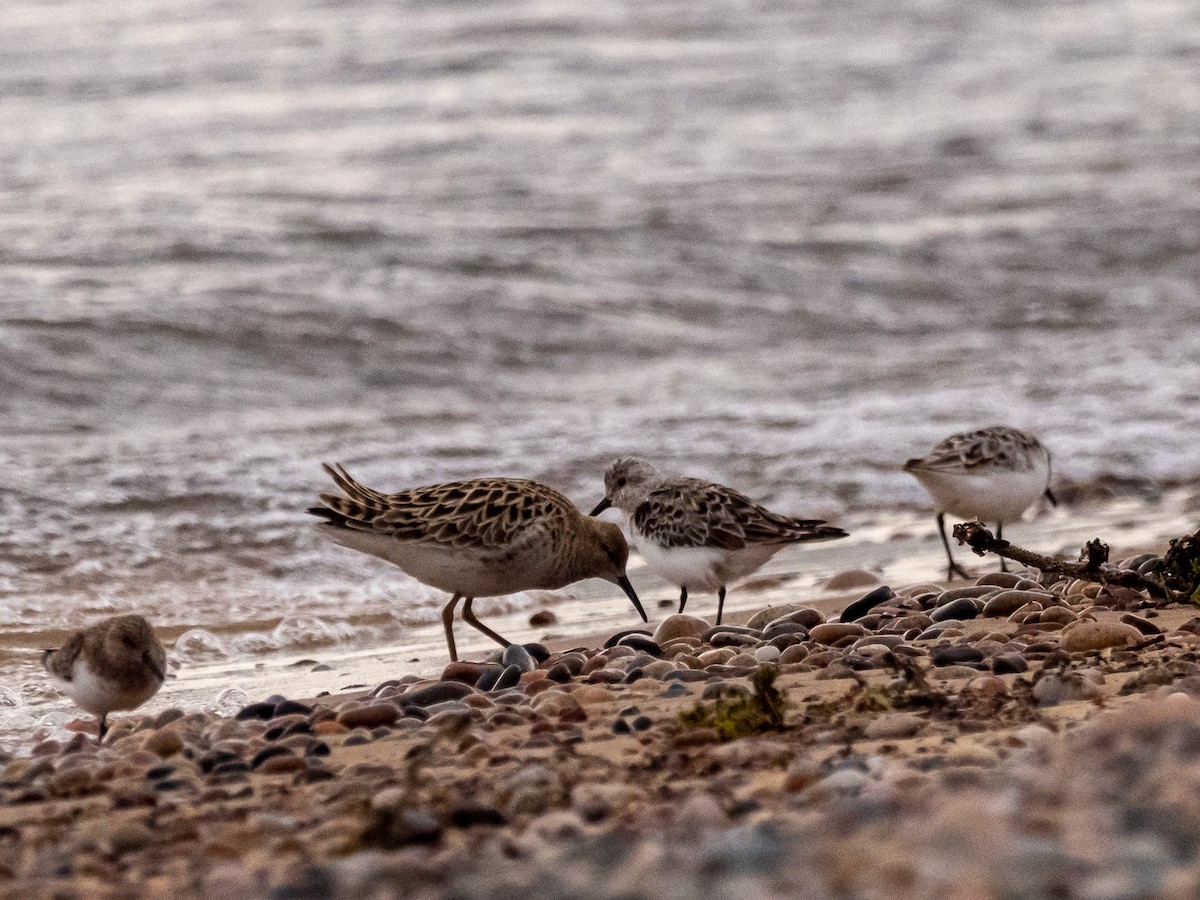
(1093, 564)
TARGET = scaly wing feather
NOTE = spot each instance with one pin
(689, 512)
(480, 513)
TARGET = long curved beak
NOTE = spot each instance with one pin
(1049, 496)
(601, 507)
(623, 583)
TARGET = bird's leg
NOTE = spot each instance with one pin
(469, 617)
(720, 602)
(448, 624)
(954, 568)
(1000, 537)
(103, 727)
(682, 598)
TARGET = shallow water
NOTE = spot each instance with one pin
(777, 244)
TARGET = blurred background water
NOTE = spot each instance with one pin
(785, 245)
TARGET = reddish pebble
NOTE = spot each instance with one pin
(280, 764)
(370, 716)
(466, 672)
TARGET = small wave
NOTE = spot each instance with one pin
(198, 645)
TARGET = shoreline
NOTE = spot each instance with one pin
(900, 550)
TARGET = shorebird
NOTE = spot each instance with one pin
(699, 535)
(993, 474)
(477, 538)
(116, 664)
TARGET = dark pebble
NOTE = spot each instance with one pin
(159, 772)
(785, 628)
(174, 784)
(437, 693)
(313, 774)
(641, 643)
(488, 679)
(317, 748)
(949, 655)
(287, 707)
(708, 636)
(267, 752)
(634, 675)
(559, 673)
(616, 638)
(301, 727)
(574, 662)
(687, 675)
(233, 767)
(857, 662)
(539, 652)
(214, 758)
(675, 690)
(641, 723)
(1008, 663)
(509, 677)
(622, 726)
(1143, 625)
(733, 639)
(264, 710)
(806, 617)
(517, 655)
(962, 609)
(469, 815)
(605, 676)
(784, 641)
(866, 603)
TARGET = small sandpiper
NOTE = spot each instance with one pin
(478, 538)
(117, 664)
(992, 474)
(699, 535)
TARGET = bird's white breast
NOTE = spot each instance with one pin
(99, 695)
(997, 496)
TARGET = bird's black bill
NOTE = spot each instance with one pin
(153, 666)
(624, 584)
(601, 507)
(1050, 497)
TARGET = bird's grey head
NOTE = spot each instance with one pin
(627, 482)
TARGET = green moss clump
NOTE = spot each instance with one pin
(754, 713)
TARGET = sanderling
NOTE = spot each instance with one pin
(114, 664)
(992, 474)
(477, 538)
(700, 535)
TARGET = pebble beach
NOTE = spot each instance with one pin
(1018, 736)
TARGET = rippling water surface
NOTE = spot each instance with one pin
(787, 245)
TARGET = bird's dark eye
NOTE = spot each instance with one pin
(620, 482)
